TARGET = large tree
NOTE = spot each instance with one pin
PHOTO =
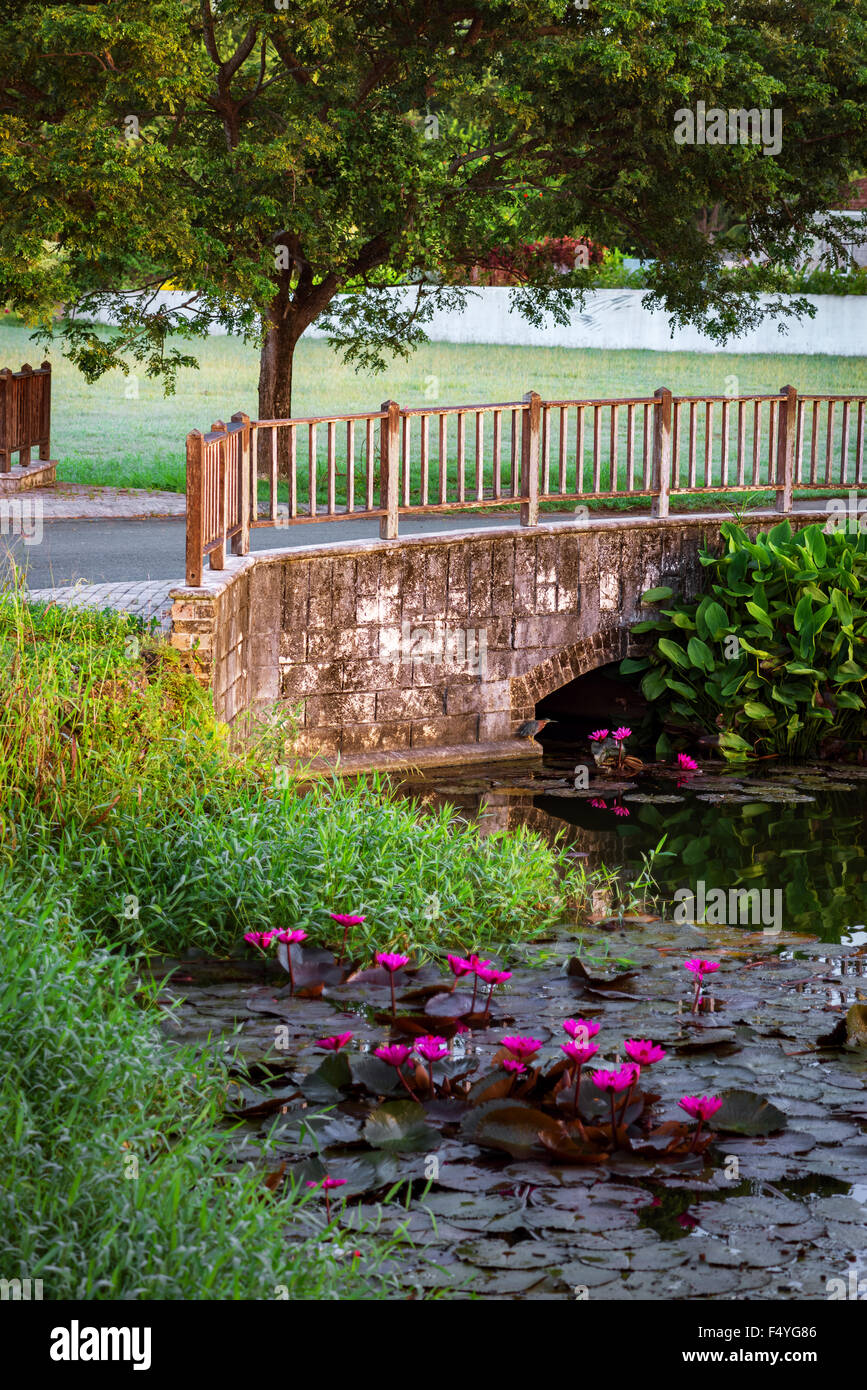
(284, 161)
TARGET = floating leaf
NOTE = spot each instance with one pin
(747, 1112)
(400, 1125)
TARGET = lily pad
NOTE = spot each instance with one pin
(747, 1112)
(512, 1126)
(400, 1125)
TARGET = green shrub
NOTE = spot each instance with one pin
(774, 655)
(90, 1091)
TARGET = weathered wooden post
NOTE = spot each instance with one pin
(195, 513)
(389, 469)
(661, 477)
(218, 554)
(530, 459)
(786, 427)
(241, 542)
(44, 421)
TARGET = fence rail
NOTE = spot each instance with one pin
(25, 414)
(428, 459)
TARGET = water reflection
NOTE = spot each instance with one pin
(813, 852)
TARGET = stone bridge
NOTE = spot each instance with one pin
(435, 646)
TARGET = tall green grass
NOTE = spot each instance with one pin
(116, 1179)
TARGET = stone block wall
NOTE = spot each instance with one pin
(429, 641)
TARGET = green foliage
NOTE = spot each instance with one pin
(172, 142)
(117, 782)
(115, 1180)
(774, 655)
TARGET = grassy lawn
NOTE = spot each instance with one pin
(103, 435)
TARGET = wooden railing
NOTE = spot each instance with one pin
(430, 459)
(25, 414)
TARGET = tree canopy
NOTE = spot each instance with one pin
(282, 161)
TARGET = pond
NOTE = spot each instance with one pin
(516, 1205)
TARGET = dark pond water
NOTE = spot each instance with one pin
(777, 1212)
(795, 831)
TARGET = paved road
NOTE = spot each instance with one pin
(107, 551)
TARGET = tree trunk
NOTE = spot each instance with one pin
(275, 378)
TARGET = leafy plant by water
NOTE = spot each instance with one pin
(773, 658)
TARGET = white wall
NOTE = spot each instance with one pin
(614, 319)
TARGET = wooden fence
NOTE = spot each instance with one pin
(25, 414)
(470, 457)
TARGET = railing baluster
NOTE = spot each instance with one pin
(647, 457)
(406, 458)
(561, 456)
(579, 449)
(546, 450)
(311, 466)
(370, 465)
(724, 445)
(423, 458)
(462, 452)
(332, 468)
(773, 409)
(708, 444)
(293, 473)
(612, 452)
(630, 447)
(844, 443)
(742, 442)
(693, 443)
(444, 456)
(814, 443)
(676, 439)
(757, 441)
(480, 456)
(498, 444)
(597, 447)
(272, 477)
(829, 442)
(799, 443)
(859, 445)
(350, 465)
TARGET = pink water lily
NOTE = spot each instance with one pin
(622, 734)
(391, 962)
(578, 1055)
(492, 977)
(598, 735)
(599, 805)
(687, 763)
(701, 1108)
(288, 938)
(476, 964)
(620, 810)
(334, 1043)
(459, 966)
(581, 1030)
(521, 1047)
(643, 1051)
(433, 1049)
(395, 1056)
(511, 1064)
(256, 938)
(614, 1082)
(699, 969)
(328, 1185)
(345, 920)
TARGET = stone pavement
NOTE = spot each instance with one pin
(144, 599)
(74, 501)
